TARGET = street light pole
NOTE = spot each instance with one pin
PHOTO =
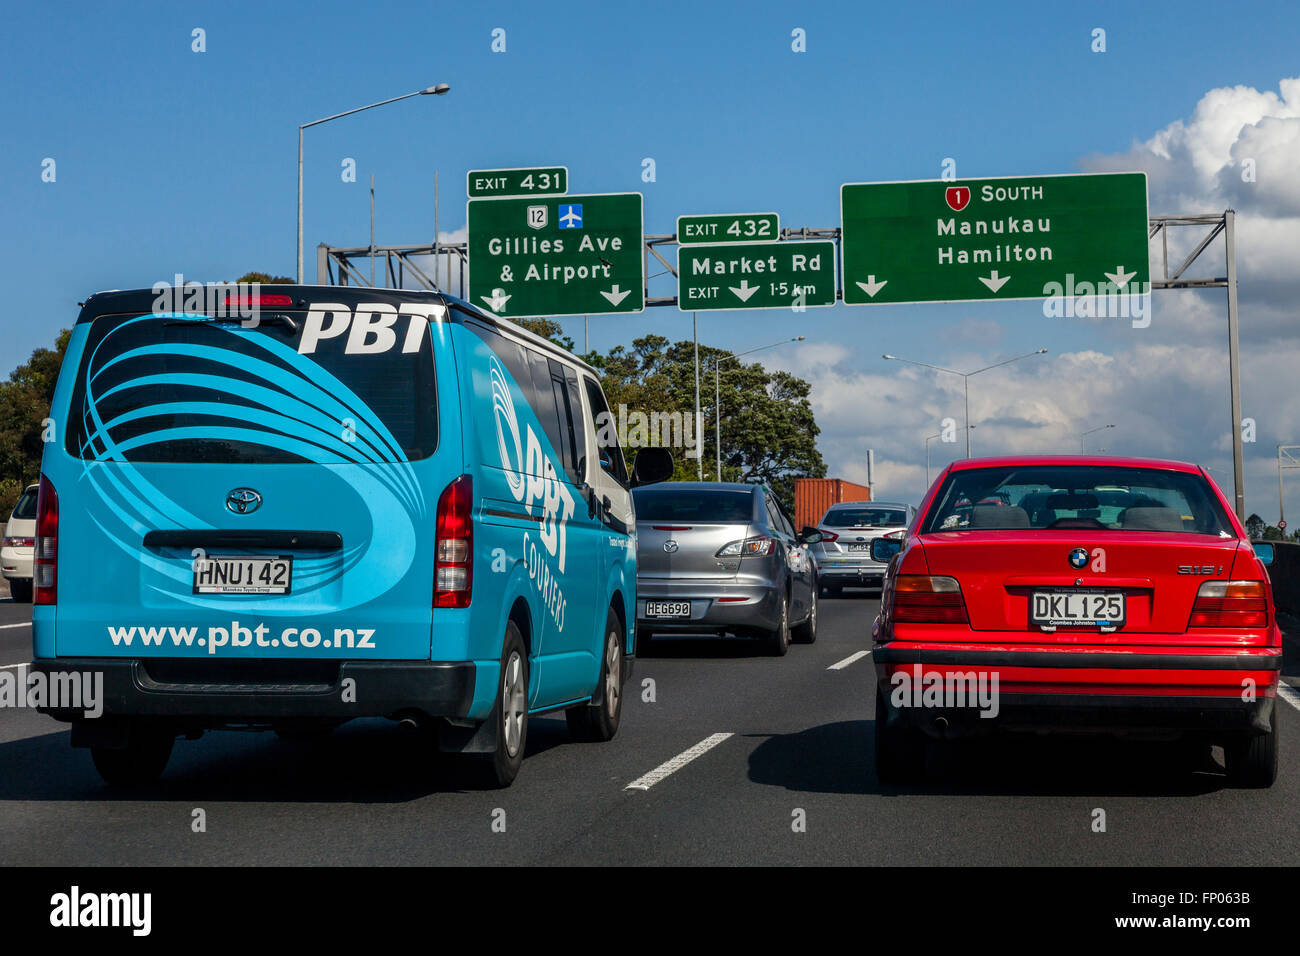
(438, 90)
(927, 456)
(1083, 445)
(966, 376)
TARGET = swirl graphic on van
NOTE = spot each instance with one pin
(154, 394)
(503, 407)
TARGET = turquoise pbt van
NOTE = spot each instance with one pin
(354, 503)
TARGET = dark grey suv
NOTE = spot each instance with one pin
(716, 557)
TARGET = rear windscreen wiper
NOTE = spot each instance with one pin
(250, 321)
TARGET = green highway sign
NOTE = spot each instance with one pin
(1026, 237)
(563, 255)
(738, 227)
(531, 181)
(757, 275)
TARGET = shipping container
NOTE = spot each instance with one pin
(812, 496)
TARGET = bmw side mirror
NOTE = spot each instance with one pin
(652, 465)
(809, 535)
(884, 549)
(1264, 552)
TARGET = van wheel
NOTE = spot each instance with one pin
(806, 633)
(900, 751)
(1252, 761)
(21, 591)
(510, 713)
(599, 722)
(779, 640)
(141, 762)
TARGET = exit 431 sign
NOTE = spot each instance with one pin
(1004, 238)
(559, 255)
(756, 275)
(531, 181)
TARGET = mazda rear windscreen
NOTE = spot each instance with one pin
(159, 388)
(665, 503)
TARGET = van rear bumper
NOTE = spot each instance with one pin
(254, 691)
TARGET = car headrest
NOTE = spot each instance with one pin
(1151, 519)
(1080, 502)
(998, 516)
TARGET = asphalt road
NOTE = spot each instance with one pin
(800, 740)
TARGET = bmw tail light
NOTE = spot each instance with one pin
(1230, 604)
(928, 599)
(454, 554)
(45, 570)
(749, 547)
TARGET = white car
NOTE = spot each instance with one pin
(18, 545)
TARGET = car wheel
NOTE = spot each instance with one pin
(599, 721)
(499, 767)
(806, 633)
(21, 591)
(1251, 761)
(141, 762)
(779, 639)
(900, 751)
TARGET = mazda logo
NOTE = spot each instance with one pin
(670, 546)
(243, 501)
(1079, 558)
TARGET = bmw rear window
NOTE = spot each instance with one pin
(1083, 497)
(155, 388)
(664, 503)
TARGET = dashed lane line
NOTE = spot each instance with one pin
(676, 763)
(839, 666)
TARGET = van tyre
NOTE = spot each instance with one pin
(779, 640)
(21, 591)
(141, 762)
(900, 751)
(1251, 761)
(599, 720)
(806, 633)
(499, 767)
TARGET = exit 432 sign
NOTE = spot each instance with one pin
(1004, 238)
(756, 275)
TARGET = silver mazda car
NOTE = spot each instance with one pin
(843, 553)
(722, 558)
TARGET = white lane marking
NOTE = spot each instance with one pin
(1288, 694)
(5, 667)
(5, 627)
(677, 763)
(848, 660)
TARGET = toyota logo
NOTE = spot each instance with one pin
(243, 501)
(1079, 558)
(670, 545)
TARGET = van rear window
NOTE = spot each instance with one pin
(154, 388)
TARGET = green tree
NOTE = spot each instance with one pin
(264, 278)
(24, 405)
(769, 433)
(1254, 527)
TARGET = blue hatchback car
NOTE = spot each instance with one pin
(354, 503)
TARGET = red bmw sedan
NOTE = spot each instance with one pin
(1094, 594)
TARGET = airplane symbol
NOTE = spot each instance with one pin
(571, 216)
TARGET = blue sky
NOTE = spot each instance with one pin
(174, 161)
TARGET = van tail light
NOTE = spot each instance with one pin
(1230, 604)
(45, 570)
(928, 599)
(749, 547)
(454, 559)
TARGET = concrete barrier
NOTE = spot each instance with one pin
(1284, 572)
